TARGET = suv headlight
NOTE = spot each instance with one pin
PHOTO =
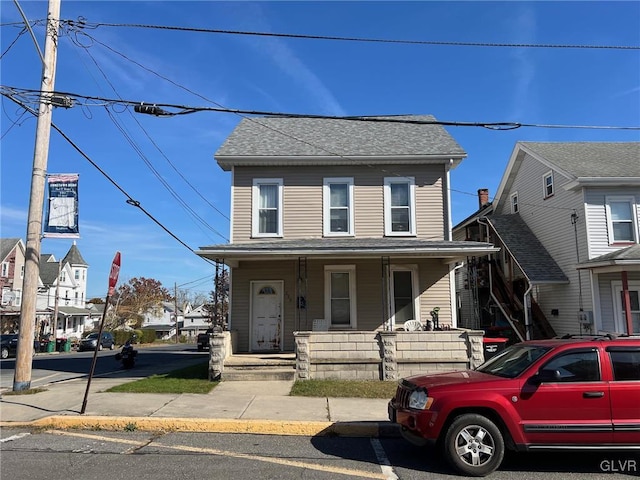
(419, 399)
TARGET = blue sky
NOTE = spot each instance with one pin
(550, 86)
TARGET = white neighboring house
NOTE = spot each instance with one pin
(11, 277)
(162, 320)
(66, 281)
(196, 320)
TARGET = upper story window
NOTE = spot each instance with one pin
(76, 274)
(399, 206)
(514, 203)
(4, 270)
(621, 219)
(63, 276)
(22, 271)
(547, 184)
(337, 195)
(267, 207)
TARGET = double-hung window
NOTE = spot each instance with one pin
(547, 185)
(621, 219)
(5, 269)
(399, 206)
(337, 194)
(267, 207)
(340, 295)
(514, 203)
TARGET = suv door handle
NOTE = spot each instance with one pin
(592, 394)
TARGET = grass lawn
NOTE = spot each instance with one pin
(344, 388)
(194, 379)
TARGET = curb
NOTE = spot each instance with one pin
(207, 425)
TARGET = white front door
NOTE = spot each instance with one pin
(619, 312)
(266, 315)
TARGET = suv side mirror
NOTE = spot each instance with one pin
(546, 375)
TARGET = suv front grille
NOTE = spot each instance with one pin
(403, 393)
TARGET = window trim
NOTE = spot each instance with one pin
(619, 320)
(255, 207)
(630, 199)
(415, 290)
(514, 202)
(545, 186)
(388, 224)
(351, 270)
(326, 206)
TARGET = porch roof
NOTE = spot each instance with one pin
(533, 259)
(346, 248)
(74, 311)
(624, 259)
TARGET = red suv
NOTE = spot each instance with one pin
(570, 393)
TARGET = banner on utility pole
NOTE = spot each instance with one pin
(62, 211)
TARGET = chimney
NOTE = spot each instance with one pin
(483, 197)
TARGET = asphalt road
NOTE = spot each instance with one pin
(145, 456)
(56, 367)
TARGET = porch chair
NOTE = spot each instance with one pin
(320, 325)
(413, 325)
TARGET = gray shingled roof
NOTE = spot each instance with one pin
(534, 260)
(73, 257)
(624, 256)
(346, 247)
(48, 270)
(6, 246)
(591, 159)
(327, 137)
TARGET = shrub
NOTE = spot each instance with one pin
(148, 336)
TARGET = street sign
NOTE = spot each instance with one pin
(115, 271)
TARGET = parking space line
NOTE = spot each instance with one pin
(383, 460)
(212, 451)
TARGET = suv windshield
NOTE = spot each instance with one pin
(513, 361)
(92, 336)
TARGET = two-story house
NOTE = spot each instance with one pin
(11, 275)
(566, 217)
(338, 224)
(162, 318)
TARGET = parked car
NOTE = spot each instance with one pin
(90, 342)
(571, 393)
(9, 345)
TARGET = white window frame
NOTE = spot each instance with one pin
(515, 208)
(633, 220)
(413, 268)
(326, 206)
(548, 186)
(255, 210)
(351, 270)
(5, 270)
(388, 224)
(620, 321)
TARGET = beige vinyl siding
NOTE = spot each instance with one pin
(302, 214)
(371, 313)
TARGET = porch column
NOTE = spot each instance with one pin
(475, 347)
(302, 355)
(626, 302)
(388, 349)
(217, 355)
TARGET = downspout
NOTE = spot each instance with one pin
(527, 312)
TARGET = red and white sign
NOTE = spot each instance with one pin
(115, 271)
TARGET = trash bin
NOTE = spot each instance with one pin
(67, 346)
(493, 346)
(51, 346)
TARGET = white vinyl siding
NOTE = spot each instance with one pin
(267, 207)
(399, 206)
(621, 219)
(338, 214)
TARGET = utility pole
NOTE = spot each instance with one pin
(175, 309)
(22, 377)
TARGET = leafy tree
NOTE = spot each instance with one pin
(218, 305)
(138, 297)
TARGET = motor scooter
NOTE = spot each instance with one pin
(127, 355)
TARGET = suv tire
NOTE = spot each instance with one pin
(5, 353)
(474, 445)
(113, 345)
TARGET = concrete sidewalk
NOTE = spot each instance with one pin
(231, 407)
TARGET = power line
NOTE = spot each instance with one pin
(83, 24)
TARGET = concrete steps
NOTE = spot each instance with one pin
(259, 367)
